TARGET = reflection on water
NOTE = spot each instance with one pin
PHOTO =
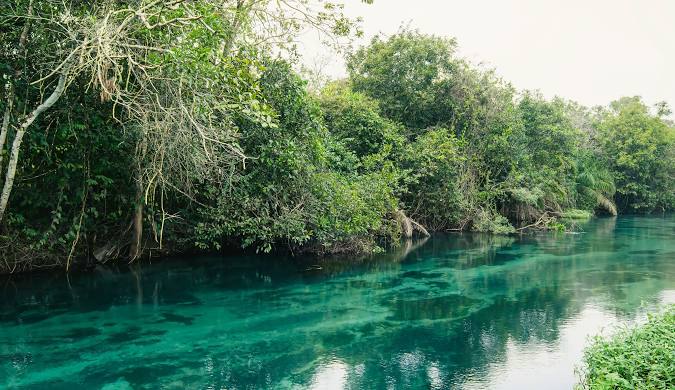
(461, 311)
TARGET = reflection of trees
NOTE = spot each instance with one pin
(328, 267)
(596, 235)
(171, 282)
(470, 343)
(466, 250)
(454, 333)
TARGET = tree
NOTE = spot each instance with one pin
(355, 120)
(175, 72)
(640, 151)
(417, 80)
(412, 76)
(291, 193)
(433, 186)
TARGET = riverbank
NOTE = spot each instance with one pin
(638, 357)
(47, 262)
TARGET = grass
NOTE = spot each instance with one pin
(635, 358)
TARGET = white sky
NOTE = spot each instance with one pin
(591, 51)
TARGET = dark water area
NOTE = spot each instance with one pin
(460, 311)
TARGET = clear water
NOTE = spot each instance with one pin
(460, 311)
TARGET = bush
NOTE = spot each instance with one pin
(432, 164)
(351, 212)
(634, 358)
(298, 190)
(488, 221)
(355, 120)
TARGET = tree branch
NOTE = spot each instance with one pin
(18, 138)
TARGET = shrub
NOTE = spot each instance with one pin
(355, 120)
(433, 165)
(491, 222)
(634, 358)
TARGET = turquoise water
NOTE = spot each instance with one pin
(462, 311)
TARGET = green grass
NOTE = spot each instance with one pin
(635, 358)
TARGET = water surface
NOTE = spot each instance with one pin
(462, 311)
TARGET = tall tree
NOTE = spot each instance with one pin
(640, 150)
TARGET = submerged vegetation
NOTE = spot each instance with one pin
(635, 358)
(134, 128)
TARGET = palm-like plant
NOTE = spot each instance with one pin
(596, 184)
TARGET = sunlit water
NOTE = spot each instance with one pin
(461, 311)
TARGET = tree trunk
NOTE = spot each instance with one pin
(136, 247)
(137, 221)
(404, 222)
(5, 123)
(234, 28)
(408, 225)
(18, 138)
(10, 94)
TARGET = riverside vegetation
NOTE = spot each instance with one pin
(144, 127)
(635, 358)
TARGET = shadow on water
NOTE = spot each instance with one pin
(434, 313)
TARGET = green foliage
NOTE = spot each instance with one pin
(348, 208)
(355, 120)
(528, 196)
(235, 151)
(264, 202)
(594, 184)
(409, 74)
(551, 140)
(491, 222)
(432, 165)
(636, 358)
(577, 214)
(74, 184)
(450, 174)
(546, 170)
(289, 193)
(640, 151)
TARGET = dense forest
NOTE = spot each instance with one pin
(136, 128)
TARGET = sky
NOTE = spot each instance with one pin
(591, 51)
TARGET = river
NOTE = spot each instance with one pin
(460, 311)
